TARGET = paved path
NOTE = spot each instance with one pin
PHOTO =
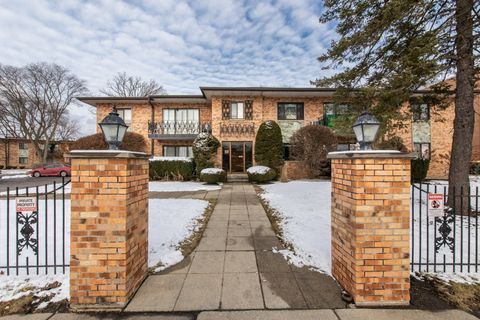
(234, 268)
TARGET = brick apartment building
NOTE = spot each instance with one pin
(233, 115)
(20, 153)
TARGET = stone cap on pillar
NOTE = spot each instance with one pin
(92, 154)
(370, 154)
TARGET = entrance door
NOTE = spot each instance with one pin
(237, 156)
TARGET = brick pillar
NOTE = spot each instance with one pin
(370, 226)
(109, 232)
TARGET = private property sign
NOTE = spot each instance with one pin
(26, 204)
(435, 205)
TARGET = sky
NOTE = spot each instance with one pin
(181, 44)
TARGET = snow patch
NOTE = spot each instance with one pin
(171, 221)
(303, 208)
(258, 170)
(212, 171)
(183, 159)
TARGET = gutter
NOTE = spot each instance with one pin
(152, 143)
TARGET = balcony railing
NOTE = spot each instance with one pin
(171, 130)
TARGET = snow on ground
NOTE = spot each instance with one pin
(303, 208)
(171, 221)
(183, 159)
(41, 189)
(472, 279)
(168, 228)
(14, 171)
(14, 176)
(172, 186)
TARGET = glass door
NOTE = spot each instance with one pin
(236, 156)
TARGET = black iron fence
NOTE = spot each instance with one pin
(35, 229)
(444, 240)
(178, 127)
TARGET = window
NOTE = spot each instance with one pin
(177, 151)
(126, 115)
(287, 151)
(237, 110)
(333, 111)
(290, 111)
(23, 160)
(422, 150)
(421, 112)
(181, 121)
(23, 146)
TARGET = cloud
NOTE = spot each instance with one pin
(181, 44)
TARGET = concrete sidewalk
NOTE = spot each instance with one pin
(321, 314)
(234, 268)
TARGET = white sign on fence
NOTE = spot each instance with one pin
(26, 204)
(436, 205)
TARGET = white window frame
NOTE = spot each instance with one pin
(237, 110)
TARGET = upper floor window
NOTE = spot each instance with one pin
(422, 150)
(237, 110)
(333, 111)
(181, 121)
(290, 111)
(421, 112)
(126, 115)
(23, 146)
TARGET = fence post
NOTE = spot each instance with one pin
(370, 226)
(109, 228)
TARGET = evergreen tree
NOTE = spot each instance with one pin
(269, 146)
(392, 48)
(204, 149)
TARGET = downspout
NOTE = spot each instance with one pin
(152, 144)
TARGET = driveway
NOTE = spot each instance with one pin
(28, 182)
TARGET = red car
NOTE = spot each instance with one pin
(51, 170)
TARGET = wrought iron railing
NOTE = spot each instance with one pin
(178, 127)
(237, 129)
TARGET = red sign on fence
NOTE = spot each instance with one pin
(26, 204)
(435, 204)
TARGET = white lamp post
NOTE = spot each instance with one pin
(366, 129)
(113, 128)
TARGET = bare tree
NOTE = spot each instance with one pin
(123, 85)
(34, 101)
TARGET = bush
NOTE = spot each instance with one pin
(204, 148)
(260, 174)
(310, 145)
(1, 167)
(393, 143)
(474, 168)
(170, 169)
(420, 169)
(213, 175)
(131, 142)
(269, 146)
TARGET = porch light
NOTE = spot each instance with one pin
(366, 129)
(113, 129)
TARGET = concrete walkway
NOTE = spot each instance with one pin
(234, 268)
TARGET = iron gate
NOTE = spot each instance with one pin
(36, 240)
(447, 243)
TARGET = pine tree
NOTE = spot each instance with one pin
(392, 48)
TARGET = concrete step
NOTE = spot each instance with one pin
(237, 177)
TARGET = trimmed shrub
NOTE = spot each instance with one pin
(310, 145)
(269, 146)
(420, 169)
(204, 149)
(260, 174)
(171, 169)
(131, 142)
(213, 175)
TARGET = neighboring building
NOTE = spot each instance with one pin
(234, 114)
(20, 153)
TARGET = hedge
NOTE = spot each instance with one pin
(213, 175)
(420, 169)
(260, 174)
(169, 169)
